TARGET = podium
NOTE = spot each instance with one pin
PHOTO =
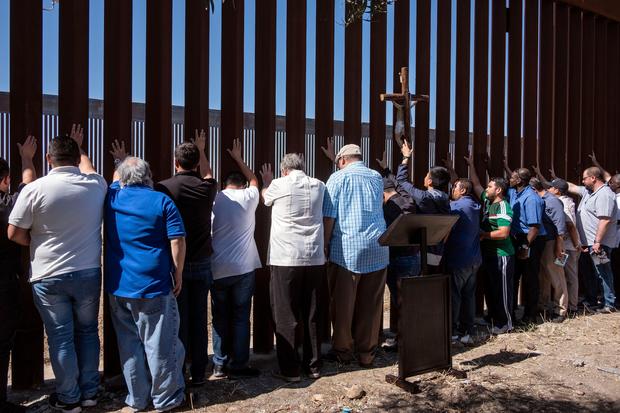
(425, 312)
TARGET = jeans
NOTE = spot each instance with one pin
(463, 298)
(231, 301)
(192, 303)
(10, 313)
(147, 331)
(69, 307)
(606, 278)
(399, 267)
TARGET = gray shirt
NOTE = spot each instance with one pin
(554, 219)
(593, 206)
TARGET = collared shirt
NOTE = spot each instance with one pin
(569, 215)
(63, 211)
(430, 201)
(296, 220)
(354, 198)
(554, 219)
(234, 221)
(594, 206)
(139, 224)
(193, 196)
(528, 209)
(463, 246)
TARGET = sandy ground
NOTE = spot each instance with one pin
(569, 367)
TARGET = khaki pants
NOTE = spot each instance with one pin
(552, 275)
(571, 271)
(356, 305)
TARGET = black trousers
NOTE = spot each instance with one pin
(615, 266)
(10, 313)
(527, 270)
(499, 294)
(293, 292)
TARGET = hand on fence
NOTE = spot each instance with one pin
(552, 172)
(267, 174)
(200, 140)
(235, 152)
(448, 162)
(536, 170)
(118, 150)
(28, 148)
(77, 134)
(594, 160)
(469, 159)
(406, 150)
(383, 163)
(330, 152)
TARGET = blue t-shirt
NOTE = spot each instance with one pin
(463, 246)
(139, 224)
(528, 209)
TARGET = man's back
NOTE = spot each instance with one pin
(9, 251)
(296, 220)
(234, 248)
(194, 198)
(64, 211)
(463, 246)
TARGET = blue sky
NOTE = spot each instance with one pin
(50, 55)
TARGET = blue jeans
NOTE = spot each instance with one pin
(69, 307)
(463, 293)
(192, 303)
(231, 301)
(147, 331)
(399, 267)
(606, 277)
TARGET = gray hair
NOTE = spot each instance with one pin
(292, 161)
(135, 171)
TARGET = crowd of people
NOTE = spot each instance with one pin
(168, 245)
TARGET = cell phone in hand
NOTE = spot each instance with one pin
(561, 261)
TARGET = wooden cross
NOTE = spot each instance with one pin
(403, 102)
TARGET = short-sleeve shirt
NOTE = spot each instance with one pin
(354, 198)
(9, 251)
(569, 215)
(63, 211)
(618, 221)
(463, 246)
(593, 206)
(234, 221)
(495, 216)
(139, 224)
(296, 237)
(554, 219)
(193, 196)
(528, 209)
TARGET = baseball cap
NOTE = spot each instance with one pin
(560, 184)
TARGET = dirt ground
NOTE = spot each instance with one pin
(569, 367)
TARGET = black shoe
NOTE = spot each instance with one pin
(63, 407)
(558, 319)
(288, 379)
(313, 373)
(89, 402)
(197, 382)
(8, 407)
(335, 357)
(366, 365)
(606, 310)
(218, 372)
(245, 372)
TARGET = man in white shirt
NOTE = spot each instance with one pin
(296, 258)
(59, 216)
(234, 259)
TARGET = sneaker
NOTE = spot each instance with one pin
(218, 372)
(63, 407)
(313, 372)
(480, 321)
(335, 357)
(288, 379)
(558, 319)
(89, 402)
(606, 310)
(245, 372)
(8, 407)
(499, 330)
(455, 337)
(467, 340)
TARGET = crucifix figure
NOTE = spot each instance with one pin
(403, 102)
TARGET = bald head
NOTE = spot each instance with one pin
(614, 183)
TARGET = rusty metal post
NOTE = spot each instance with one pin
(295, 76)
(530, 84)
(461, 105)
(513, 110)
(545, 103)
(498, 86)
(587, 87)
(560, 90)
(401, 57)
(353, 82)
(25, 102)
(442, 118)
(422, 86)
(574, 96)
(481, 84)
(378, 56)
(600, 89)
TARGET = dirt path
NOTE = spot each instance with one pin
(571, 367)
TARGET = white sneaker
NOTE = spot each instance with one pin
(467, 340)
(455, 338)
(499, 330)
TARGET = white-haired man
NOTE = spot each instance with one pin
(296, 258)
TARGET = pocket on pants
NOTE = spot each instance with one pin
(150, 306)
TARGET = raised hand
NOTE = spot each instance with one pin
(592, 156)
(118, 150)
(383, 163)
(77, 134)
(448, 162)
(552, 172)
(536, 170)
(200, 139)
(330, 152)
(267, 174)
(406, 150)
(28, 148)
(235, 152)
(469, 159)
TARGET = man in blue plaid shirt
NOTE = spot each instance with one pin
(353, 218)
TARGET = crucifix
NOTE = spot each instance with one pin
(403, 102)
